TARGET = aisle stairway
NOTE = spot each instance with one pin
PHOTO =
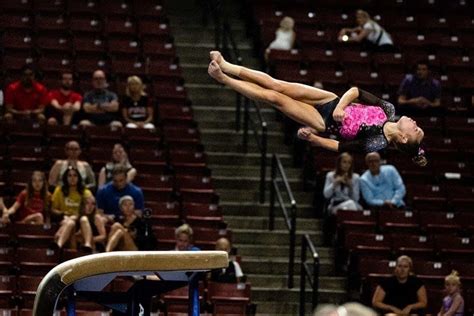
(236, 175)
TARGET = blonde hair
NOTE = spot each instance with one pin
(287, 23)
(184, 229)
(137, 80)
(408, 259)
(453, 277)
(348, 309)
(364, 14)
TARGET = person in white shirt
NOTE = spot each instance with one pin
(284, 36)
(375, 37)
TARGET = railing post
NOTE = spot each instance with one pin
(291, 268)
(263, 163)
(303, 277)
(246, 125)
(271, 219)
(316, 266)
(238, 105)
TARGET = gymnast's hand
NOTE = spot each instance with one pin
(338, 114)
(304, 133)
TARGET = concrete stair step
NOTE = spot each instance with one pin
(249, 171)
(226, 112)
(195, 52)
(261, 222)
(281, 281)
(247, 250)
(264, 294)
(250, 183)
(210, 94)
(279, 266)
(246, 208)
(200, 35)
(275, 237)
(230, 124)
(241, 195)
(230, 136)
(252, 147)
(236, 158)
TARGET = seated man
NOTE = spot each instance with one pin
(101, 106)
(419, 91)
(381, 185)
(25, 98)
(64, 102)
(109, 195)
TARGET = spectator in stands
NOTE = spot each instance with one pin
(342, 186)
(419, 90)
(382, 186)
(284, 36)
(101, 106)
(233, 273)
(365, 127)
(403, 293)
(184, 238)
(453, 302)
(64, 102)
(129, 230)
(26, 98)
(73, 151)
(92, 233)
(137, 109)
(67, 201)
(32, 204)
(348, 309)
(119, 158)
(375, 37)
(109, 195)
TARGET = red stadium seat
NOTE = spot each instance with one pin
(415, 246)
(450, 246)
(36, 261)
(229, 299)
(398, 221)
(27, 286)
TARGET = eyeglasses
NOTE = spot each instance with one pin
(73, 148)
(98, 78)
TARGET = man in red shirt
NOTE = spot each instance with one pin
(64, 102)
(25, 98)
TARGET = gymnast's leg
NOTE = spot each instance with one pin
(297, 91)
(299, 111)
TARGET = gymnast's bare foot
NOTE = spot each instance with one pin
(215, 71)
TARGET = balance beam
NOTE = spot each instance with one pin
(94, 272)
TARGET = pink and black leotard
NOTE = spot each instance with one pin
(362, 127)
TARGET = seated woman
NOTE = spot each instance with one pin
(32, 204)
(341, 188)
(66, 205)
(92, 233)
(184, 238)
(403, 293)
(129, 231)
(365, 127)
(119, 157)
(137, 109)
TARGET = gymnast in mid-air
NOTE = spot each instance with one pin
(366, 126)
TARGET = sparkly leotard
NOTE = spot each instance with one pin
(448, 301)
(362, 127)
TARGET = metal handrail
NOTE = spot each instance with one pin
(306, 273)
(290, 219)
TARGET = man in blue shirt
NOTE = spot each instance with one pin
(109, 195)
(381, 185)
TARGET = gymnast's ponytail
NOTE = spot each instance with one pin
(415, 150)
